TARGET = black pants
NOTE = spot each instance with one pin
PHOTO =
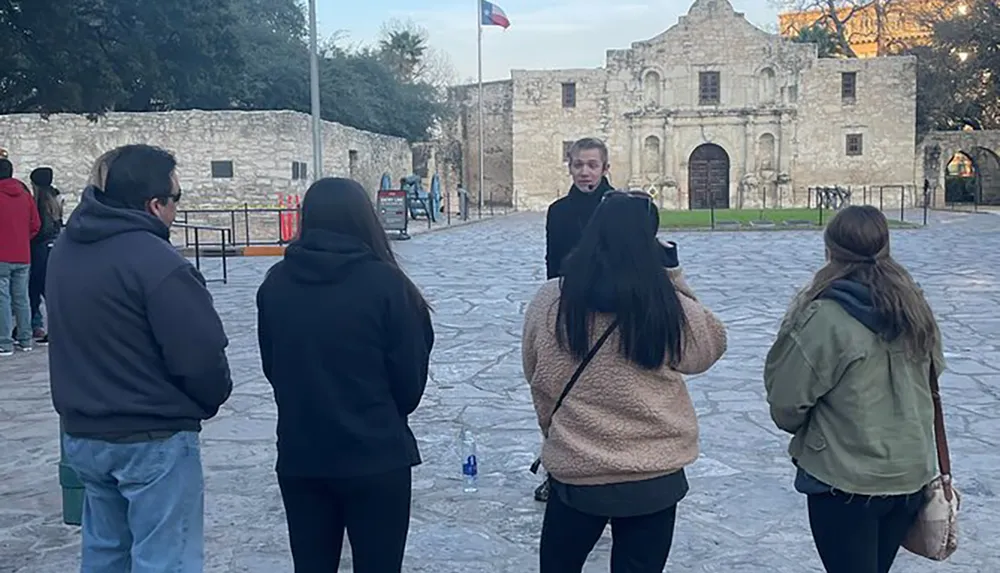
(375, 511)
(859, 533)
(639, 544)
(36, 280)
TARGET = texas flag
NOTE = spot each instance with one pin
(493, 15)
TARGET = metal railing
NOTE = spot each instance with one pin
(896, 202)
(890, 199)
(268, 226)
(223, 244)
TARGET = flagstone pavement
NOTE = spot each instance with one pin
(742, 514)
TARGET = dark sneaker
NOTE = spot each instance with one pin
(22, 347)
(40, 337)
(6, 352)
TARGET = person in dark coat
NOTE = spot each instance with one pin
(50, 213)
(345, 341)
(137, 362)
(566, 218)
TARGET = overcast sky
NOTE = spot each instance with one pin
(543, 33)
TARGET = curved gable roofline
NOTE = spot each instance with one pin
(707, 12)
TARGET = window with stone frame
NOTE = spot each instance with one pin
(855, 144)
(566, 146)
(222, 170)
(299, 170)
(849, 87)
(709, 88)
(569, 94)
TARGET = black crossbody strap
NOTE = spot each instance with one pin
(576, 376)
(583, 365)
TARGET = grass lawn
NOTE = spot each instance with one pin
(745, 217)
(703, 218)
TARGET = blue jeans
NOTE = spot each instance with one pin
(14, 307)
(143, 508)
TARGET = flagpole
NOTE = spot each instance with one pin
(317, 118)
(482, 176)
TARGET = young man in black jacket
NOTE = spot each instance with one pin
(566, 218)
(588, 167)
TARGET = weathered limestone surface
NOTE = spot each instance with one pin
(780, 118)
(742, 515)
(498, 137)
(262, 146)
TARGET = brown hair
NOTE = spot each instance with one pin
(857, 245)
(588, 143)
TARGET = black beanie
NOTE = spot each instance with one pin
(42, 176)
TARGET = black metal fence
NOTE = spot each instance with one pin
(224, 244)
(904, 204)
(268, 226)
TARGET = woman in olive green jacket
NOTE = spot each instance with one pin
(849, 377)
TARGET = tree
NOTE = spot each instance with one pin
(54, 59)
(884, 23)
(272, 38)
(405, 47)
(826, 43)
(92, 56)
(832, 15)
(95, 56)
(959, 71)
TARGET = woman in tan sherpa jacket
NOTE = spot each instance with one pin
(617, 446)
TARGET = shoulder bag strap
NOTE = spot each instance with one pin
(583, 365)
(940, 438)
(576, 376)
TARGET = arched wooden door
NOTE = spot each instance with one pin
(708, 177)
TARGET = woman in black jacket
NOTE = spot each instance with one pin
(345, 339)
(50, 213)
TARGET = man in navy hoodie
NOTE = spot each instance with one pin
(136, 361)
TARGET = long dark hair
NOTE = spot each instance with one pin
(46, 196)
(618, 267)
(342, 206)
(857, 246)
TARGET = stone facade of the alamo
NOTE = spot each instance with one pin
(225, 158)
(711, 110)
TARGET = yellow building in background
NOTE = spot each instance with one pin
(903, 24)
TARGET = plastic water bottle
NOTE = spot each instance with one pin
(470, 463)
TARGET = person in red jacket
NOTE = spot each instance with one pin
(19, 223)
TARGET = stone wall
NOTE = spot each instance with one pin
(883, 113)
(543, 127)
(497, 134)
(262, 146)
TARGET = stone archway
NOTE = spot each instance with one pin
(987, 166)
(708, 177)
(939, 148)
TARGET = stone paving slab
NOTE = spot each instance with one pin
(742, 514)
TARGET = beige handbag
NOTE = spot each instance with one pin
(935, 533)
